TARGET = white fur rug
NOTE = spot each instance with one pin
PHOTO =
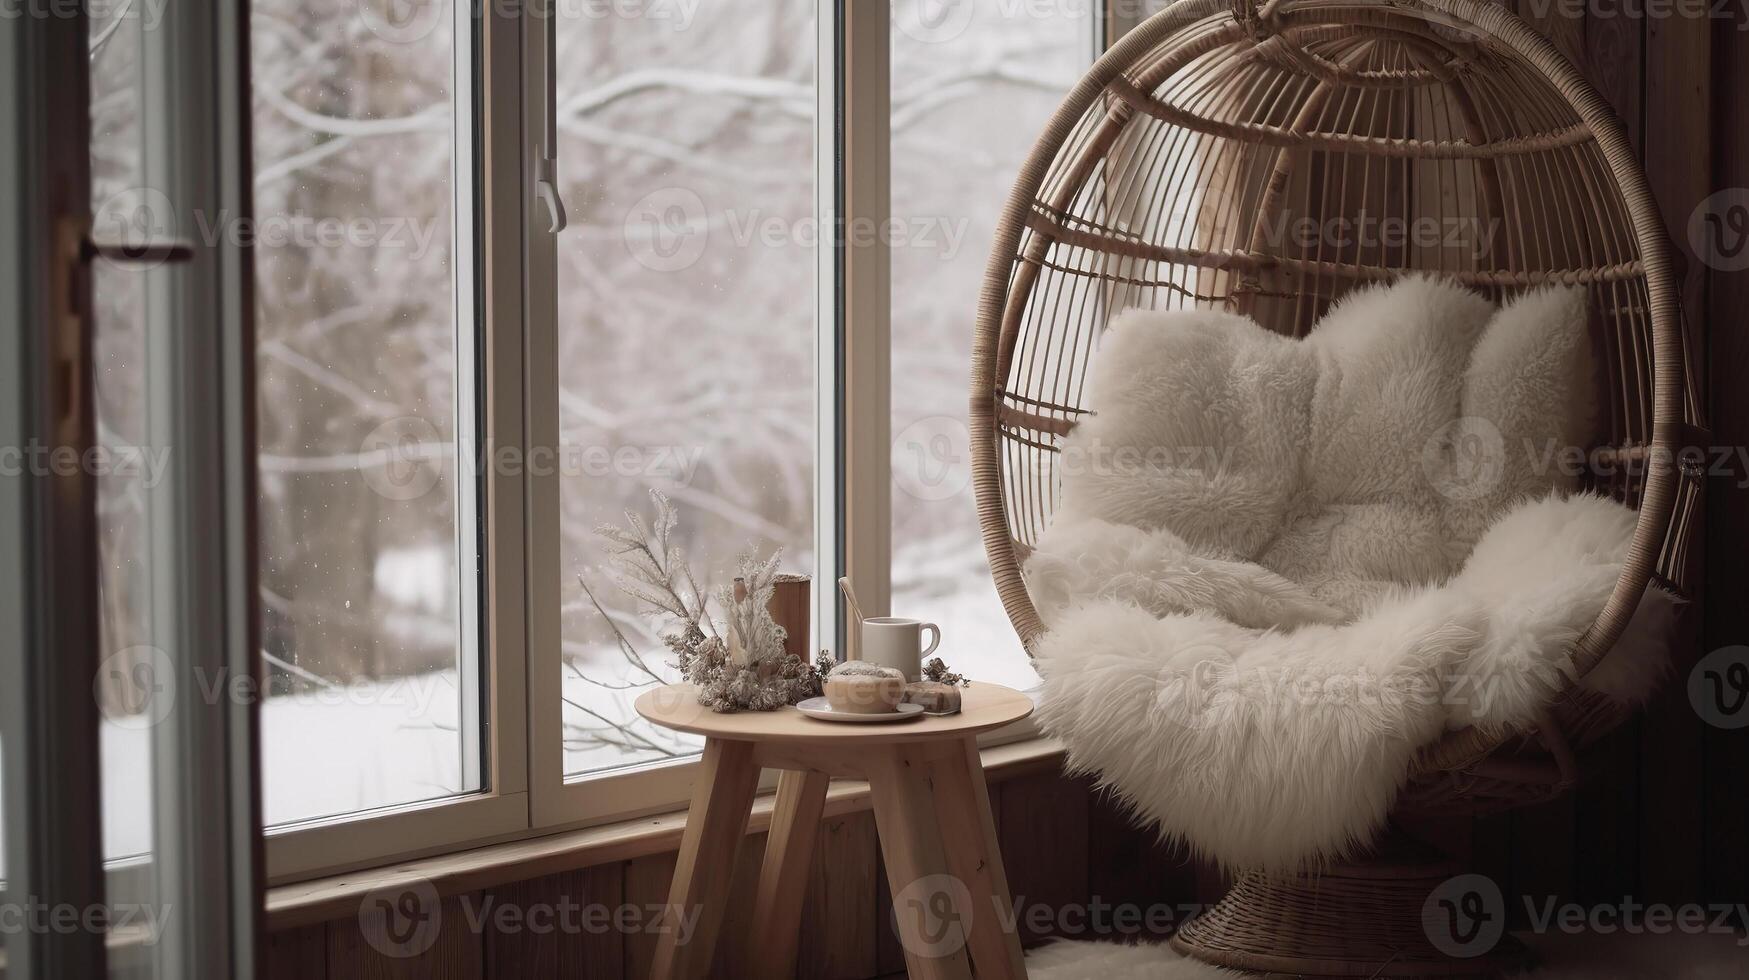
(1586, 957)
(1280, 567)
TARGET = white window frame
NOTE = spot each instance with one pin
(490, 289)
(558, 802)
(527, 793)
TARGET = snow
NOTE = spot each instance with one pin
(418, 577)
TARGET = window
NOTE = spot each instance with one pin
(953, 162)
(453, 397)
(365, 338)
(686, 324)
(167, 468)
(123, 208)
(126, 206)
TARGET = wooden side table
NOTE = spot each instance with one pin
(932, 810)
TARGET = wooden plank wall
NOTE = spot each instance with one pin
(1724, 803)
(1076, 865)
(1665, 813)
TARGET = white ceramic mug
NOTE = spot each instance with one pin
(892, 641)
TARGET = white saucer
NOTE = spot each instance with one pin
(818, 708)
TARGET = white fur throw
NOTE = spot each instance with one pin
(1281, 567)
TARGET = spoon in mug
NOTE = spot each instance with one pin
(855, 636)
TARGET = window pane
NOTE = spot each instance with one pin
(366, 646)
(686, 320)
(125, 207)
(973, 82)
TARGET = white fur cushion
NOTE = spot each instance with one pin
(1369, 454)
(1311, 568)
(1527, 397)
(1201, 434)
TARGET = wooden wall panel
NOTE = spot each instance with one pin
(297, 954)
(1154, 882)
(1454, 835)
(553, 941)
(1543, 852)
(454, 955)
(1554, 850)
(1671, 792)
(1607, 807)
(840, 916)
(1678, 156)
(1554, 20)
(1615, 50)
(646, 886)
(1607, 831)
(1043, 831)
(1551, 850)
(735, 952)
(847, 929)
(889, 951)
(1725, 802)
(1491, 851)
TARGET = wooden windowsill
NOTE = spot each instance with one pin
(338, 896)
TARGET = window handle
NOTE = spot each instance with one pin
(149, 253)
(546, 187)
(546, 168)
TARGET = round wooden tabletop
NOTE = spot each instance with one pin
(983, 707)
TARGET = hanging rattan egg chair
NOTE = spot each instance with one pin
(1164, 182)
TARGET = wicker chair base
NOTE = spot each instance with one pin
(1359, 919)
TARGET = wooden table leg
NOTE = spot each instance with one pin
(928, 901)
(715, 823)
(783, 879)
(968, 830)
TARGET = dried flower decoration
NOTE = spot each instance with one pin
(936, 670)
(746, 668)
